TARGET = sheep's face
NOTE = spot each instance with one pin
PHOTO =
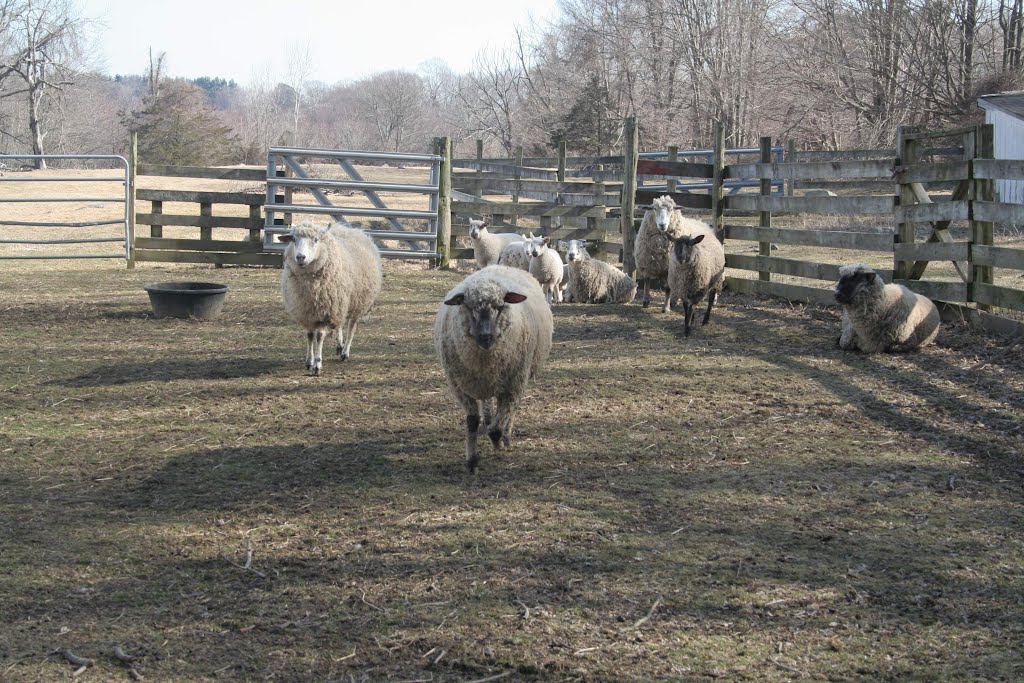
(575, 250)
(538, 245)
(857, 282)
(304, 245)
(483, 318)
(477, 229)
(683, 246)
(663, 208)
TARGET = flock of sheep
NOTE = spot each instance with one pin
(493, 331)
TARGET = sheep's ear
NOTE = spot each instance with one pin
(456, 300)
(287, 237)
(483, 224)
(584, 244)
(514, 298)
(870, 276)
(698, 239)
(546, 240)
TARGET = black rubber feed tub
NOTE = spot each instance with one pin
(199, 300)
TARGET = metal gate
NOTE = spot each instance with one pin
(124, 200)
(423, 243)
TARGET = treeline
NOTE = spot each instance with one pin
(827, 73)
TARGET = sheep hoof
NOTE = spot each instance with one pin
(498, 439)
(646, 303)
(472, 464)
(342, 355)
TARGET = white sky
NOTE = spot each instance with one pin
(347, 39)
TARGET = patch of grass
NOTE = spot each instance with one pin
(746, 504)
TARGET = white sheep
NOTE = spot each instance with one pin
(331, 279)
(661, 224)
(492, 334)
(592, 281)
(695, 270)
(880, 317)
(516, 254)
(487, 246)
(546, 265)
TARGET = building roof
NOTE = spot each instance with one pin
(1009, 102)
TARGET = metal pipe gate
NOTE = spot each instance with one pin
(123, 220)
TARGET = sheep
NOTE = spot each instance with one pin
(331, 279)
(516, 254)
(492, 334)
(696, 269)
(487, 246)
(880, 317)
(661, 224)
(592, 281)
(546, 265)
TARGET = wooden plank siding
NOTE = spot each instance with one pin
(998, 257)
(821, 169)
(842, 205)
(837, 239)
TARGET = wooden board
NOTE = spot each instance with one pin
(998, 257)
(931, 251)
(796, 268)
(199, 221)
(252, 199)
(814, 295)
(1004, 297)
(934, 173)
(820, 169)
(866, 241)
(998, 212)
(253, 174)
(933, 212)
(999, 169)
(937, 291)
(863, 204)
(509, 208)
(677, 169)
(264, 259)
(240, 246)
(685, 200)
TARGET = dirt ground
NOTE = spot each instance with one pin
(749, 503)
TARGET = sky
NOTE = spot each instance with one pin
(346, 39)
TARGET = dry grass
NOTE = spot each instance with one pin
(746, 504)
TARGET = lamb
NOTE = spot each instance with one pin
(487, 246)
(880, 317)
(546, 265)
(516, 254)
(695, 270)
(331, 279)
(661, 224)
(592, 281)
(492, 334)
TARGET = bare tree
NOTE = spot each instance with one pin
(393, 104)
(42, 44)
(300, 68)
(492, 94)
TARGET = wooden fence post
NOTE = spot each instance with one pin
(718, 183)
(443, 147)
(479, 172)
(518, 177)
(673, 155)
(765, 248)
(791, 158)
(981, 231)
(906, 155)
(561, 161)
(133, 164)
(630, 157)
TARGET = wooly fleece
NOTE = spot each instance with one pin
(592, 281)
(516, 254)
(492, 335)
(546, 265)
(880, 317)
(696, 269)
(487, 246)
(654, 242)
(335, 286)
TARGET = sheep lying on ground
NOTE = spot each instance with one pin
(546, 265)
(592, 281)
(331, 278)
(487, 246)
(696, 270)
(881, 317)
(661, 224)
(516, 254)
(492, 334)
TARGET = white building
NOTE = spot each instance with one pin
(1005, 112)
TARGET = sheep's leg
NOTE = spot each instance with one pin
(472, 408)
(343, 352)
(547, 294)
(309, 350)
(687, 317)
(712, 296)
(500, 429)
(318, 356)
(488, 410)
(668, 301)
(647, 292)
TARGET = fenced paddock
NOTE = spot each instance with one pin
(746, 503)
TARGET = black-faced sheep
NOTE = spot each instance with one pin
(661, 224)
(592, 281)
(331, 279)
(696, 270)
(492, 334)
(487, 246)
(880, 317)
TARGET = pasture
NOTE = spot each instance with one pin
(747, 504)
